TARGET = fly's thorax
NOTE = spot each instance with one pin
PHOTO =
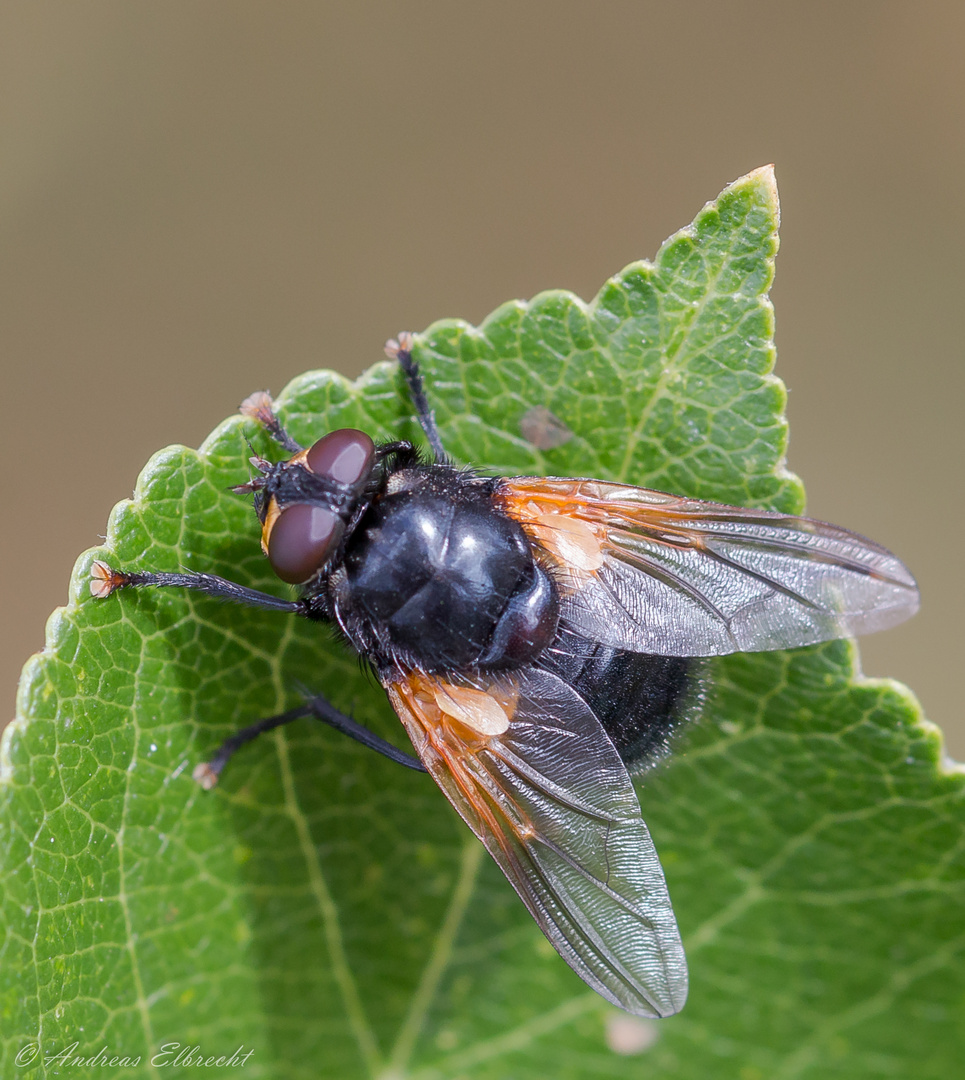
(437, 574)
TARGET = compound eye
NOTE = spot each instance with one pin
(344, 456)
(301, 540)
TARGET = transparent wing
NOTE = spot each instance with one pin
(528, 766)
(654, 573)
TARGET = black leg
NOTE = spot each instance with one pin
(259, 406)
(207, 772)
(401, 350)
(104, 580)
(327, 713)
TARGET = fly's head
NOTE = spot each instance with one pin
(309, 504)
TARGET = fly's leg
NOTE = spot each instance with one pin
(104, 580)
(259, 406)
(328, 714)
(208, 772)
(401, 350)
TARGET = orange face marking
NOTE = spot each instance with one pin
(272, 514)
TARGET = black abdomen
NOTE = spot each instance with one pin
(637, 697)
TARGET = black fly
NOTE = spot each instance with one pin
(538, 639)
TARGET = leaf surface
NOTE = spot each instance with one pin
(324, 908)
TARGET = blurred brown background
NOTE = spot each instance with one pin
(199, 200)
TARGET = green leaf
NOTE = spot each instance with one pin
(326, 910)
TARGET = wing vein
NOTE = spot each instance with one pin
(499, 750)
